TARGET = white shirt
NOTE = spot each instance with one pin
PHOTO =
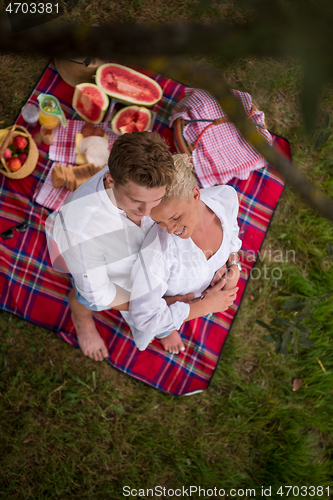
(97, 241)
(169, 265)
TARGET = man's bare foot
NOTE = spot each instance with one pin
(173, 343)
(90, 341)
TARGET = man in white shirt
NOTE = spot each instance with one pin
(102, 225)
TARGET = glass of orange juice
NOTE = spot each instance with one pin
(50, 112)
(47, 120)
(47, 134)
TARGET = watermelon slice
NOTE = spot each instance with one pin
(131, 119)
(90, 102)
(128, 85)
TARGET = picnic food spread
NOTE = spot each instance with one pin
(91, 102)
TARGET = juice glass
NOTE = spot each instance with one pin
(50, 112)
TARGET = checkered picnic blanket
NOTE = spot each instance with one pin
(32, 289)
(220, 152)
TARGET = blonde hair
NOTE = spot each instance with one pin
(183, 180)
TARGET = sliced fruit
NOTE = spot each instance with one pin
(128, 85)
(90, 102)
(131, 119)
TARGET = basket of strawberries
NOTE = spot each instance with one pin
(18, 152)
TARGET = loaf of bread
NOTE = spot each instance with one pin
(72, 176)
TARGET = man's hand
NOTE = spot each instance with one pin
(178, 298)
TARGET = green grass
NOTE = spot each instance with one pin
(72, 428)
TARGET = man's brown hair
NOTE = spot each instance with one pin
(143, 158)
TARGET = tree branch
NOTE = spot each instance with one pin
(133, 43)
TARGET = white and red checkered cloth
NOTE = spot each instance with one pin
(222, 152)
(63, 150)
(50, 197)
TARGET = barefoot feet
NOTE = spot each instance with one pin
(90, 341)
(173, 343)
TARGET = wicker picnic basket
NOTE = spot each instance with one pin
(6, 136)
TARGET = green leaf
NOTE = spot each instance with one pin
(299, 316)
(321, 139)
(303, 329)
(306, 343)
(294, 305)
(284, 350)
(283, 294)
(286, 337)
(296, 347)
(289, 301)
(311, 318)
(264, 325)
(281, 322)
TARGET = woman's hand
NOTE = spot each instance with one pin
(216, 299)
(218, 275)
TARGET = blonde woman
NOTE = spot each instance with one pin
(194, 236)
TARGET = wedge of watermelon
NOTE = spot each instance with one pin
(131, 119)
(90, 102)
(128, 85)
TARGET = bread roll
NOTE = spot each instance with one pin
(72, 176)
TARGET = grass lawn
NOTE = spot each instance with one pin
(73, 428)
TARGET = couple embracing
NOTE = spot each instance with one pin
(140, 237)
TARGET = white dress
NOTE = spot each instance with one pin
(169, 265)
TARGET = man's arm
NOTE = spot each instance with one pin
(121, 300)
(123, 296)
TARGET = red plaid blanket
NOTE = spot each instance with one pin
(32, 289)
